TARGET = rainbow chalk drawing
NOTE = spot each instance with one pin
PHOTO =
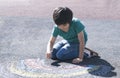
(38, 68)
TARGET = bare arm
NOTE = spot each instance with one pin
(50, 44)
(81, 48)
(81, 45)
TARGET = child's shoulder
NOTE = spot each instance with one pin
(76, 22)
(55, 27)
(75, 19)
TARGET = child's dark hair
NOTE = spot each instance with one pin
(62, 15)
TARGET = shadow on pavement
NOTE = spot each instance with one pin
(105, 68)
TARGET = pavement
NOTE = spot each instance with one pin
(25, 28)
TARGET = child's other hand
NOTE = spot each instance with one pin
(48, 55)
(77, 60)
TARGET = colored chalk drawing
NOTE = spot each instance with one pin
(38, 68)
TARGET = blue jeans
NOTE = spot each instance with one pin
(64, 50)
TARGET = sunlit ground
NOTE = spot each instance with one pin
(106, 9)
(23, 38)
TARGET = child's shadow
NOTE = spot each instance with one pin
(105, 69)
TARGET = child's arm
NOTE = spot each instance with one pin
(81, 48)
(50, 46)
(81, 45)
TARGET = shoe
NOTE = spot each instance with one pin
(89, 54)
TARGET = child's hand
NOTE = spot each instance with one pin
(77, 60)
(48, 55)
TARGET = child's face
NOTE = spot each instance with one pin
(64, 27)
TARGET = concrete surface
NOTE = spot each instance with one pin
(43, 8)
(26, 38)
(25, 30)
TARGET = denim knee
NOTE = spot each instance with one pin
(61, 54)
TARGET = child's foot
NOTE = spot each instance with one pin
(89, 54)
(93, 54)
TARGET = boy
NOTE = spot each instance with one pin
(74, 34)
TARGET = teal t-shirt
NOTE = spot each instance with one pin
(71, 35)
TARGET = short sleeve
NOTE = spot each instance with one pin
(78, 26)
(55, 32)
